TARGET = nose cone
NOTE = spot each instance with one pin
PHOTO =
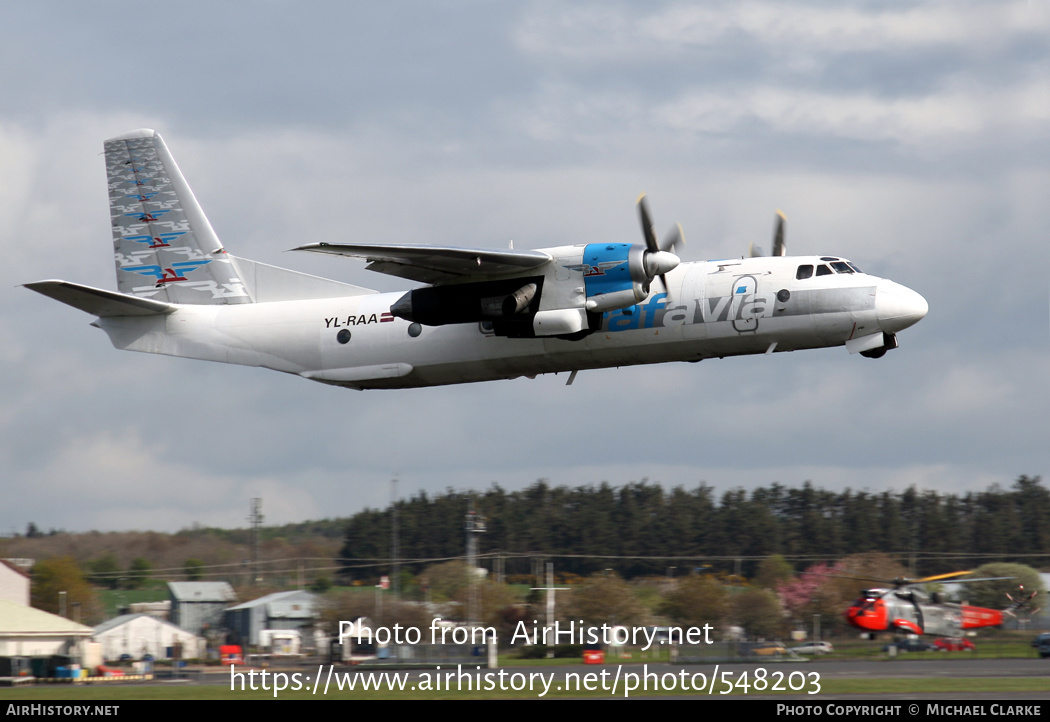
(898, 307)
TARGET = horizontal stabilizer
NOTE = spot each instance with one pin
(100, 302)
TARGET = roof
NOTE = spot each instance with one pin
(220, 592)
(291, 610)
(13, 566)
(280, 600)
(125, 618)
(17, 619)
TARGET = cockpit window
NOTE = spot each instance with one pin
(804, 272)
(842, 267)
(823, 270)
(854, 267)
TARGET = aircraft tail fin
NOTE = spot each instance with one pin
(167, 251)
(165, 247)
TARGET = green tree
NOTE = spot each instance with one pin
(106, 571)
(773, 571)
(857, 572)
(695, 601)
(993, 593)
(604, 598)
(53, 576)
(492, 597)
(346, 605)
(444, 581)
(193, 569)
(759, 612)
(138, 572)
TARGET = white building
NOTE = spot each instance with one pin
(141, 634)
(14, 583)
(29, 632)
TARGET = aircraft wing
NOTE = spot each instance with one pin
(436, 264)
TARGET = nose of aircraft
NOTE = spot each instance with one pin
(898, 307)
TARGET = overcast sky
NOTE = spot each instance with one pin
(910, 137)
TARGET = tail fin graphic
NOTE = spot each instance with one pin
(165, 248)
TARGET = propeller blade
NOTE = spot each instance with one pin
(778, 235)
(675, 237)
(647, 224)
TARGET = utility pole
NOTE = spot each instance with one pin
(550, 589)
(395, 540)
(475, 525)
(255, 519)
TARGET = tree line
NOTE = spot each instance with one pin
(642, 529)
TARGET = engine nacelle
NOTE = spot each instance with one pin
(615, 275)
(560, 322)
(505, 306)
(470, 302)
(617, 299)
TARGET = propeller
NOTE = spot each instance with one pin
(658, 258)
(779, 249)
(1021, 603)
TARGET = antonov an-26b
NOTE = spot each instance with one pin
(481, 314)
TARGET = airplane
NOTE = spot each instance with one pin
(482, 314)
(903, 608)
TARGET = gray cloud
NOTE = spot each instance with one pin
(912, 139)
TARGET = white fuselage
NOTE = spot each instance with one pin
(712, 309)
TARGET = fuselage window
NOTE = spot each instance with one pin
(804, 272)
(842, 267)
(823, 270)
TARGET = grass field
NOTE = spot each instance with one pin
(557, 671)
(863, 687)
(209, 692)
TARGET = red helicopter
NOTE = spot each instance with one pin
(904, 608)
